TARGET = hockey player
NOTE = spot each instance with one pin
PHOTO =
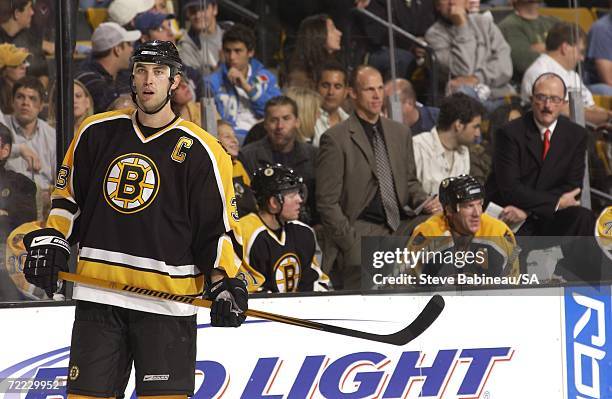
(149, 199)
(447, 239)
(279, 249)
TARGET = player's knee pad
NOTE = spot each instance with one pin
(74, 396)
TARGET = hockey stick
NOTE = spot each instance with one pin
(422, 322)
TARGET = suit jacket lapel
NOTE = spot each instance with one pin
(361, 140)
(534, 141)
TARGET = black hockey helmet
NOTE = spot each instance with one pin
(273, 181)
(159, 52)
(456, 190)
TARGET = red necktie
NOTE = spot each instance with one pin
(546, 143)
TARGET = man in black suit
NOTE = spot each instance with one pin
(538, 167)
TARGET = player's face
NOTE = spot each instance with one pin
(237, 55)
(292, 204)
(151, 82)
(81, 102)
(466, 220)
(548, 100)
(333, 90)
(469, 132)
(281, 124)
(369, 93)
(228, 139)
(27, 105)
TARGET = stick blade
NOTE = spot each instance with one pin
(423, 321)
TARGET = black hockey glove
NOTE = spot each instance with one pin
(230, 297)
(48, 253)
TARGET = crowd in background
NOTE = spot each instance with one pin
(329, 77)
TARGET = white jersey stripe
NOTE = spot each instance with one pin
(139, 262)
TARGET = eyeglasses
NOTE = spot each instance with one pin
(541, 98)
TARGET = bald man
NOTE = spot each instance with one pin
(418, 117)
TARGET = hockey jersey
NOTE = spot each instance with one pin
(283, 262)
(493, 249)
(155, 211)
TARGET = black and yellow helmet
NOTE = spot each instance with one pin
(159, 52)
(456, 190)
(273, 181)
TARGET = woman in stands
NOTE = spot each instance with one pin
(309, 103)
(318, 40)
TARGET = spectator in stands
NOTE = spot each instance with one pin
(183, 103)
(245, 200)
(281, 146)
(242, 85)
(538, 166)
(111, 51)
(599, 56)
(13, 66)
(123, 12)
(525, 31)
(83, 103)
(318, 40)
(30, 133)
(17, 206)
(18, 199)
(154, 26)
(472, 51)
(565, 45)
(414, 17)
(332, 85)
(15, 22)
(418, 117)
(279, 253)
(308, 103)
(443, 152)
(365, 177)
(201, 46)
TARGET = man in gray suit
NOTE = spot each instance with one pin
(365, 176)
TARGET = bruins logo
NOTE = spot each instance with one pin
(131, 183)
(287, 272)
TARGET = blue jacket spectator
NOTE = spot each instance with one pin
(242, 85)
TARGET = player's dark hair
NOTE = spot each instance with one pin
(240, 33)
(281, 100)
(458, 106)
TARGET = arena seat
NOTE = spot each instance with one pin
(581, 15)
(95, 16)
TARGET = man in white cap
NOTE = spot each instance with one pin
(112, 47)
(123, 12)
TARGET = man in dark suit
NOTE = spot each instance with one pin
(538, 167)
(365, 176)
